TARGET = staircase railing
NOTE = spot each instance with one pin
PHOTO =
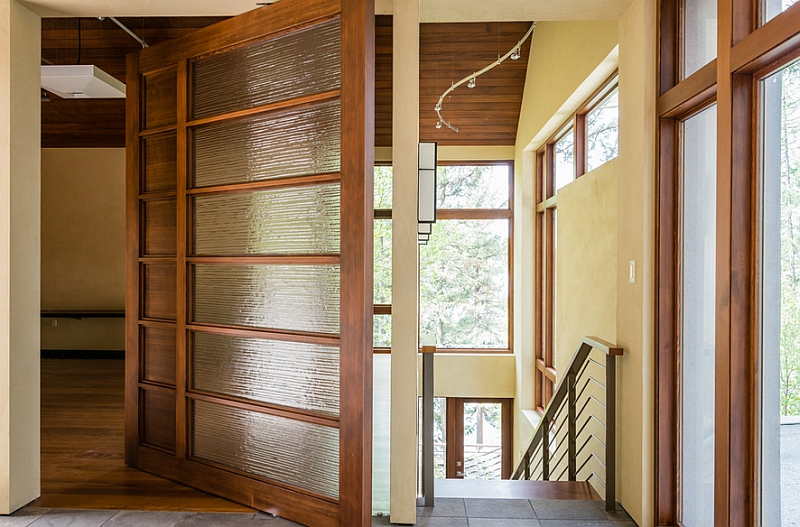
(576, 437)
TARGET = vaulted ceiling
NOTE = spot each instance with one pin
(485, 115)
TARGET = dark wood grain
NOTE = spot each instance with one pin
(160, 154)
(82, 446)
(159, 291)
(158, 418)
(158, 355)
(160, 94)
(158, 236)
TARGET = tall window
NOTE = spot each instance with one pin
(585, 142)
(737, 57)
(382, 318)
(465, 270)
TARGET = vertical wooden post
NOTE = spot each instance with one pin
(611, 432)
(571, 427)
(428, 355)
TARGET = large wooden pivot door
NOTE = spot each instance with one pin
(249, 347)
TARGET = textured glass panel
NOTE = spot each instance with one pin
(291, 143)
(304, 376)
(301, 63)
(698, 307)
(302, 220)
(300, 454)
(472, 187)
(294, 297)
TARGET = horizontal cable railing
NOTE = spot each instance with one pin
(575, 439)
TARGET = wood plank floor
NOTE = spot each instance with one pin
(505, 489)
(82, 446)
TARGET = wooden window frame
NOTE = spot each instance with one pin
(545, 375)
(454, 433)
(487, 214)
(747, 52)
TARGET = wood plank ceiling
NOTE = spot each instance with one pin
(485, 115)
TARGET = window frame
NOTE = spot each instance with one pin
(484, 214)
(748, 50)
(545, 375)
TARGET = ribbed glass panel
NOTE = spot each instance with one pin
(301, 220)
(302, 63)
(304, 376)
(293, 297)
(291, 143)
(300, 454)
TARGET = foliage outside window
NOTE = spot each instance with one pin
(565, 159)
(382, 296)
(602, 131)
(465, 275)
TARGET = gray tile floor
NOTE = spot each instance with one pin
(449, 512)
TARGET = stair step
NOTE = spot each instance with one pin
(513, 489)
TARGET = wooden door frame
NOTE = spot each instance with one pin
(455, 433)
(354, 506)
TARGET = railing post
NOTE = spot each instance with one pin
(428, 353)
(611, 432)
(527, 460)
(545, 450)
(571, 425)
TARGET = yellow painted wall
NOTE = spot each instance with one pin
(20, 54)
(568, 61)
(586, 268)
(636, 241)
(83, 244)
(472, 375)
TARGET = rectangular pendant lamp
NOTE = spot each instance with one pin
(81, 82)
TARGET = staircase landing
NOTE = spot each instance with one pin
(514, 489)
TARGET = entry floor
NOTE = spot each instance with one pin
(448, 512)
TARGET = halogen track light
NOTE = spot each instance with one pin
(515, 54)
(471, 83)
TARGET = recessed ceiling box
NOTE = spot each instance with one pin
(81, 82)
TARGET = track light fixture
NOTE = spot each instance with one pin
(514, 53)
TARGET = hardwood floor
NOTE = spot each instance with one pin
(82, 446)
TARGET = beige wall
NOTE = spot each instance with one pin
(580, 57)
(586, 268)
(635, 235)
(472, 375)
(83, 245)
(20, 41)
(568, 62)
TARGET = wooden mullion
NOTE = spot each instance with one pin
(132, 268)
(182, 239)
(156, 130)
(767, 44)
(382, 214)
(450, 438)
(669, 45)
(249, 405)
(357, 210)
(288, 104)
(724, 211)
(267, 334)
(250, 186)
(691, 93)
(579, 145)
(666, 440)
(289, 259)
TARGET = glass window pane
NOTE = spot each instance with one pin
(772, 8)
(565, 160)
(483, 440)
(383, 262)
(698, 264)
(602, 131)
(383, 187)
(699, 34)
(464, 284)
(382, 331)
(472, 187)
(780, 315)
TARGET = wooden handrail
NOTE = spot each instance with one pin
(565, 389)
